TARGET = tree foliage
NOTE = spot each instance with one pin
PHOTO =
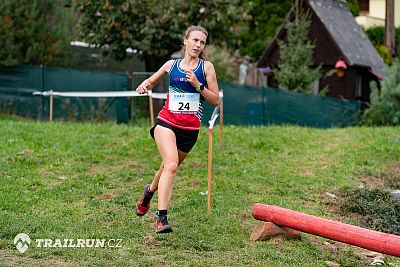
(223, 62)
(295, 70)
(376, 35)
(354, 7)
(155, 28)
(259, 25)
(384, 108)
(35, 32)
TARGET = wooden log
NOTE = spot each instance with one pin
(267, 230)
(376, 241)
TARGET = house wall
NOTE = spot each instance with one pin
(338, 87)
(376, 15)
(353, 86)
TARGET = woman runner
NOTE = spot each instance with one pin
(191, 81)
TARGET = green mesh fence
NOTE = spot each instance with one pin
(247, 105)
(18, 83)
(243, 105)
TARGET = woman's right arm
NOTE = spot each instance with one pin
(154, 79)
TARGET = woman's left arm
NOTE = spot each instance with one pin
(211, 93)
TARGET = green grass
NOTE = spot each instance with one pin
(82, 180)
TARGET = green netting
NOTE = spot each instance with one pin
(18, 83)
(243, 105)
(16, 88)
(247, 105)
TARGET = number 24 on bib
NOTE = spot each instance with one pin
(185, 103)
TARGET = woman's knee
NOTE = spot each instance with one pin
(170, 167)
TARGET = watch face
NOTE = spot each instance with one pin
(201, 87)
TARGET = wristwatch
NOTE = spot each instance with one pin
(200, 88)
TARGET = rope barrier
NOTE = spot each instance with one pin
(102, 94)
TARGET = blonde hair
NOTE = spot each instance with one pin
(192, 29)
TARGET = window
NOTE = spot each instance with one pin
(359, 85)
(364, 6)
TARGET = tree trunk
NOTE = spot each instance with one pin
(389, 28)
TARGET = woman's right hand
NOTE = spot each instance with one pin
(143, 87)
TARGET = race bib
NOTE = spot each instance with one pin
(187, 103)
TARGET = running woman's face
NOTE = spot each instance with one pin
(195, 43)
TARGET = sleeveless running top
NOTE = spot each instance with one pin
(184, 105)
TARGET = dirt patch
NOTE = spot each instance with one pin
(109, 194)
(389, 178)
(110, 168)
(339, 251)
(195, 165)
(371, 182)
(9, 258)
(151, 241)
(306, 171)
(392, 175)
(196, 183)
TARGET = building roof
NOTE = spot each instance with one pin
(350, 39)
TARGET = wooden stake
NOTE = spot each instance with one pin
(151, 109)
(221, 123)
(210, 132)
(51, 109)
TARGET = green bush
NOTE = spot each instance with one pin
(377, 37)
(354, 7)
(379, 210)
(384, 108)
(223, 62)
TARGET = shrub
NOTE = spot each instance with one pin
(379, 210)
(384, 108)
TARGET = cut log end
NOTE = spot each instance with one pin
(267, 230)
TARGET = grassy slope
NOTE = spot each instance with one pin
(72, 180)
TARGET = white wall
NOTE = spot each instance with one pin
(376, 16)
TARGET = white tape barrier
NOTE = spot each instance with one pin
(211, 122)
(102, 94)
(106, 94)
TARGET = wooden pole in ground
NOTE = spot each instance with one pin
(221, 123)
(210, 132)
(353, 235)
(151, 109)
(51, 109)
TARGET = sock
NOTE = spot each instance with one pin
(149, 193)
(147, 196)
(161, 213)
